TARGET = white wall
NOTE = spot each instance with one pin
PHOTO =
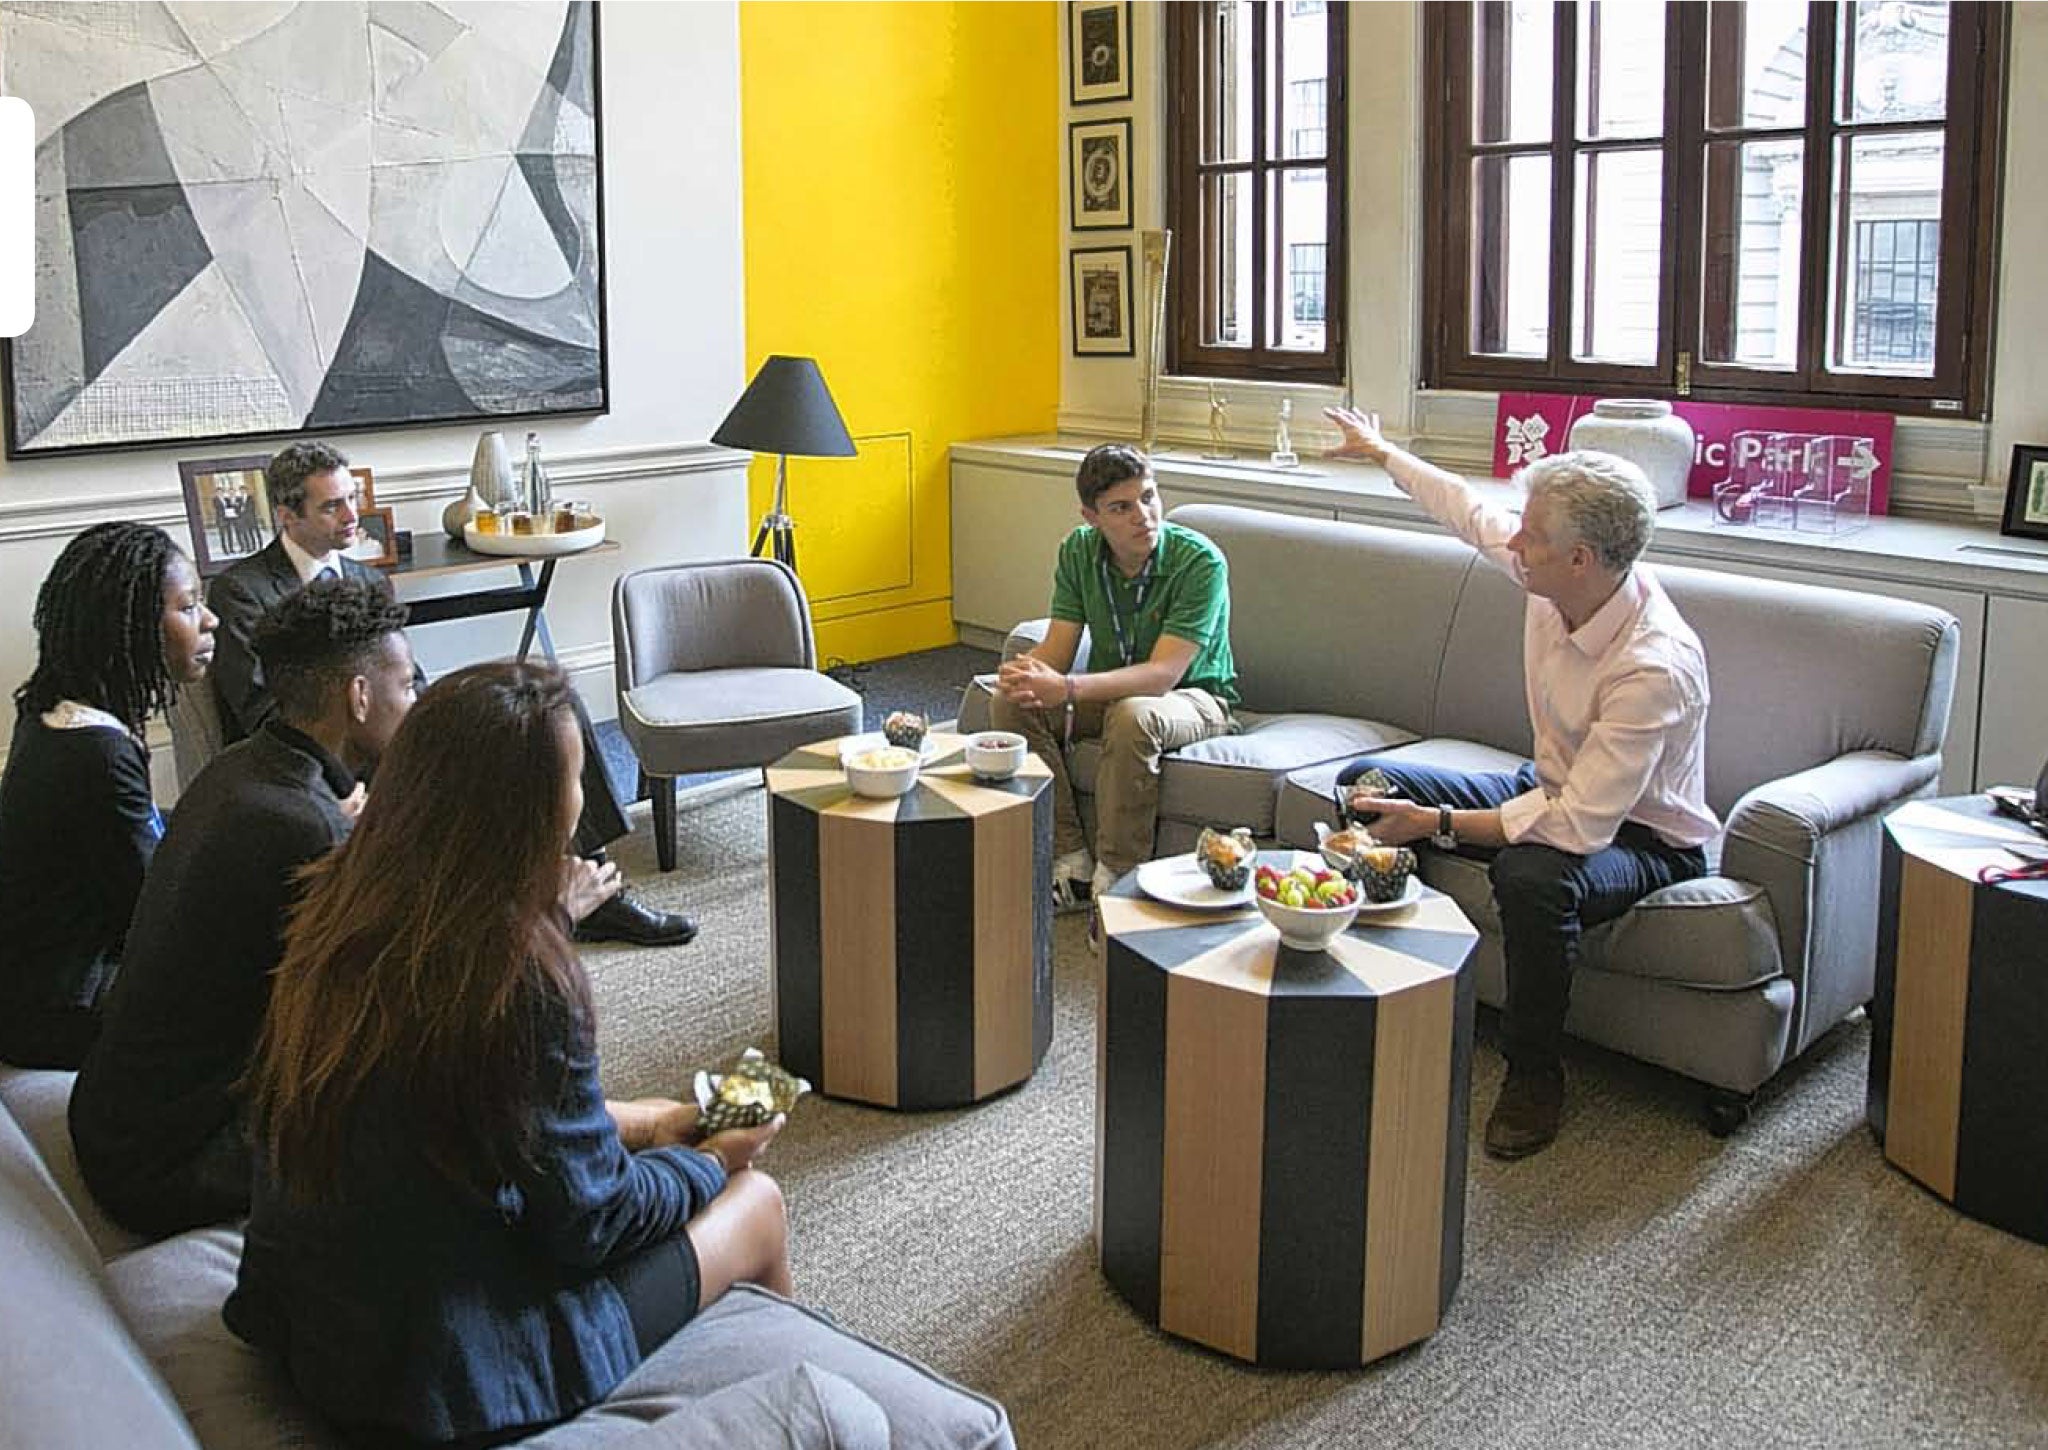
(670, 104)
(1936, 458)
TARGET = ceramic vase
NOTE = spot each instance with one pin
(1648, 434)
(490, 479)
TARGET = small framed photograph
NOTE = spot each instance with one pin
(228, 506)
(2026, 493)
(376, 539)
(1098, 51)
(1102, 302)
(366, 488)
(1100, 156)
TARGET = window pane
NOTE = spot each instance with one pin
(1302, 92)
(1511, 255)
(1227, 295)
(1511, 66)
(1751, 257)
(1226, 110)
(1887, 228)
(1892, 61)
(1294, 309)
(1756, 63)
(1618, 256)
(1621, 69)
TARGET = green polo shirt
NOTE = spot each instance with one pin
(1187, 596)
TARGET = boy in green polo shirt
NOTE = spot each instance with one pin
(1155, 599)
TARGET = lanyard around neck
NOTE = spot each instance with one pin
(1141, 584)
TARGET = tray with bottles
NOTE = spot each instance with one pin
(566, 528)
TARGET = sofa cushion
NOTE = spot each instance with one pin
(750, 1331)
(40, 1100)
(800, 1408)
(171, 1293)
(73, 1374)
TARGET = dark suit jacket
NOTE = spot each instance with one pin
(241, 596)
(183, 1014)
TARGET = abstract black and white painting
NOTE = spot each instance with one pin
(280, 217)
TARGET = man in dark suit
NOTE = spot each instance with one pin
(155, 1115)
(315, 499)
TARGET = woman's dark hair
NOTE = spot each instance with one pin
(99, 624)
(424, 951)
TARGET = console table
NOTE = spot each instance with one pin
(435, 555)
(1958, 1089)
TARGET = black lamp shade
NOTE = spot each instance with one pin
(787, 409)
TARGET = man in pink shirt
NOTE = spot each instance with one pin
(1614, 805)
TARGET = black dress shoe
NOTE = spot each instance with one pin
(624, 919)
(1525, 1118)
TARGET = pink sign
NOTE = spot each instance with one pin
(1529, 426)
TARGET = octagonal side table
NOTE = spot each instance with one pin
(912, 938)
(1280, 1135)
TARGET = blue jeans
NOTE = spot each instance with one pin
(1546, 897)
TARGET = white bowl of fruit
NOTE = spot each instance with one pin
(1309, 904)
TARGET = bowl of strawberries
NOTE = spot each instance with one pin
(1308, 903)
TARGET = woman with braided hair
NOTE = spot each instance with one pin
(120, 626)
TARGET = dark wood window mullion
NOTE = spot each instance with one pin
(1702, 306)
(1817, 177)
(1563, 136)
(1261, 154)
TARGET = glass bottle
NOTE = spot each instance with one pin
(539, 496)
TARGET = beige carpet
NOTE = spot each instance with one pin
(1640, 1284)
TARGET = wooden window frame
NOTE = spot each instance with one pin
(1186, 354)
(1978, 73)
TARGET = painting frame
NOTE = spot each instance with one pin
(1098, 51)
(226, 499)
(1100, 278)
(2026, 493)
(1099, 175)
(385, 533)
(135, 364)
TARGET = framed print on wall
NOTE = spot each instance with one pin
(1100, 162)
(1102, 302)
(2026, 493)
(1098, 51)
(237, 239)
(227, 503)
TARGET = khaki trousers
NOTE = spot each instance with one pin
(1134, 732)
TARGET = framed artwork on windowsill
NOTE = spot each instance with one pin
(1102, 302)
(1099, 157)
(2026, 493)
(1098, 51)
(376, 539)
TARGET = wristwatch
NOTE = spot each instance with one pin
(1445, 838)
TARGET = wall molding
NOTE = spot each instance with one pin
(66, 514)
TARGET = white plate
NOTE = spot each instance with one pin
(1410, 894)
(1180, 881)
(876, 740)
(533, 546)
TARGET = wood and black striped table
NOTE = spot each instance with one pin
(1280, 1135)
(1959, 1021)
(912, 937)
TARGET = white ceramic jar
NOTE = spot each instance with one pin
(1648, 434)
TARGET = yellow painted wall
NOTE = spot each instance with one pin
(902, 214)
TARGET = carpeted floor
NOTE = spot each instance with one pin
(1640, 1284)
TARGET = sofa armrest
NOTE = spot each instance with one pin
(1031, 633)
(1811, 841)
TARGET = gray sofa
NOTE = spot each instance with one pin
(1829, 709)
(107, 1341)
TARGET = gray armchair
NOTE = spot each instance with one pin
(717, 670)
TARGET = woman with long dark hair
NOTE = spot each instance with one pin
(454, 1236)
(120, 626)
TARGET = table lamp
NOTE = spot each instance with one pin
(786, 409)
